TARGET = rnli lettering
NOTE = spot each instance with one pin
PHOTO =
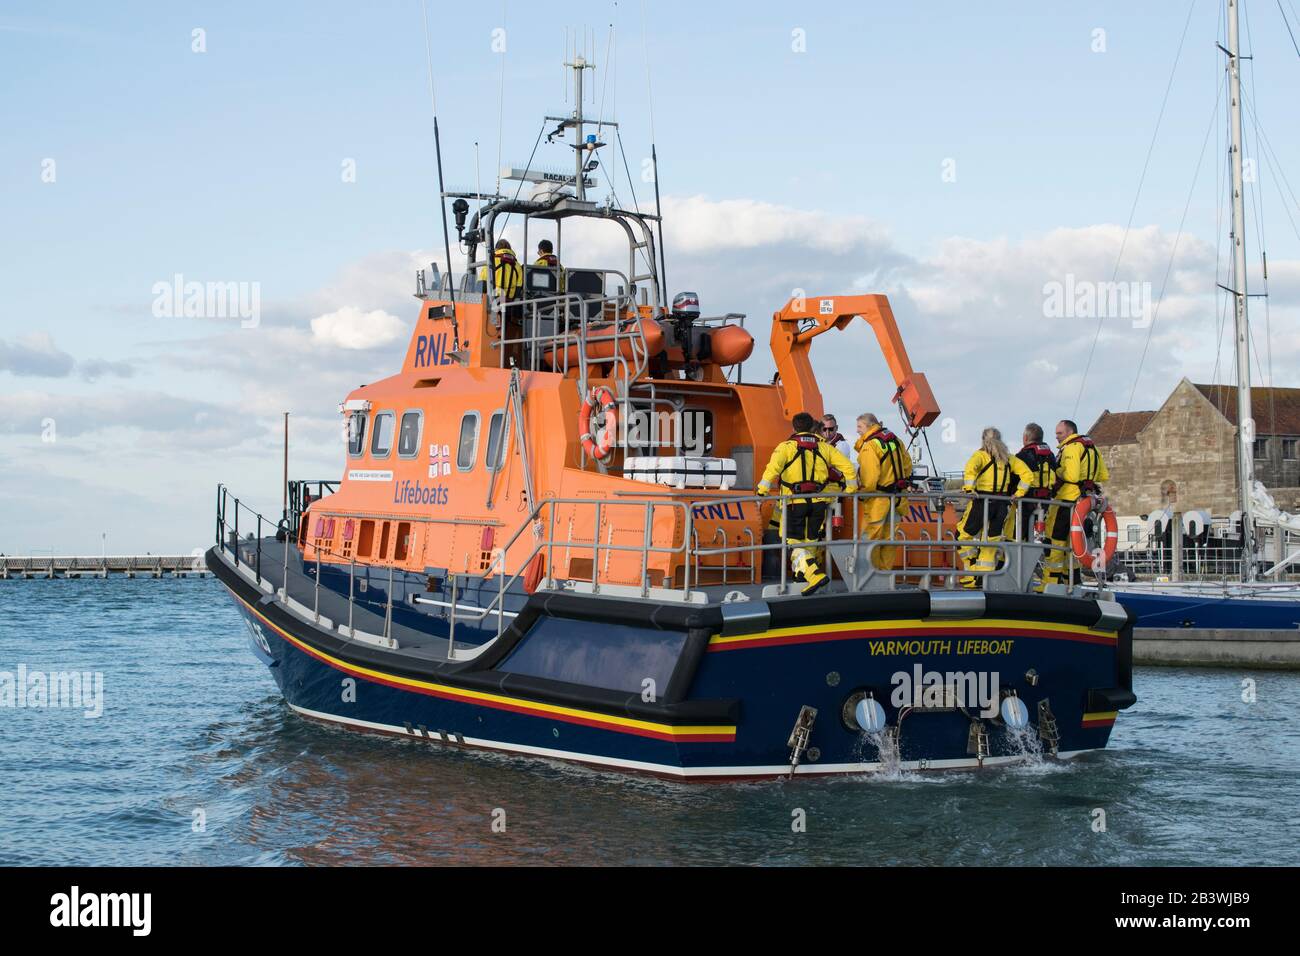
(414, 493)
(921, 513)
(725, 511)
(432, 350)
(922, 648)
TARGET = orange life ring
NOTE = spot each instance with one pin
(600, 401)
(1079, 543)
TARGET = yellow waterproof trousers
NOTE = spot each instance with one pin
(875, 527)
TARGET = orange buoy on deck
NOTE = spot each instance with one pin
(606, 342)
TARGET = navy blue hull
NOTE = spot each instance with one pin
(1210, 612)
(735, 713)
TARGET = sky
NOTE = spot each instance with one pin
(980, 164)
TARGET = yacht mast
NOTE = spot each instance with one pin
(1241, 322)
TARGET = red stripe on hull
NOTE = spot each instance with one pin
(787, 639)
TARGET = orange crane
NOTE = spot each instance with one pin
(803, 319)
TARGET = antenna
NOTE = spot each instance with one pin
(654, 162)
(442, 201)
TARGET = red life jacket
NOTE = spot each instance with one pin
(892, 448)
(1041, 460)
(1091, 456)
(806, 445)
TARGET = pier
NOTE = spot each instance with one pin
(101, 566)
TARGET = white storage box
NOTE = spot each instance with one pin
(682, 471)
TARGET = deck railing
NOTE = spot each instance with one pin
(568, 532)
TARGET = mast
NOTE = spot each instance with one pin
(578, 64)
(1241, 321)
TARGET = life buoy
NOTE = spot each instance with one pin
(600, 401)
(1079, 542)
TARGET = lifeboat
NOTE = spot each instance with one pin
(545, 539)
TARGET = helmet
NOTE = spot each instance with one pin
(686, 305)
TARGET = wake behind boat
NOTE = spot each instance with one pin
(544, 541)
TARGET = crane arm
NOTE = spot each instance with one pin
(802, 320)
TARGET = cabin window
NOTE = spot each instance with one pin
(356, 434)
(468, 446)
(495, 456)
(403, 541)
(366, 539)
(408, 439)
(381, 442)
(383, 542)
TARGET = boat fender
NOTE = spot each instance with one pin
(533, 573)
(955, 605)
(599, 402)
(1079, 541)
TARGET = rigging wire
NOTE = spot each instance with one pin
(1288, 27)
(1275, 168)
(1257, 205)
(1155, 317)
(1133, 210)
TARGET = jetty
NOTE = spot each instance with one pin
(30, 567)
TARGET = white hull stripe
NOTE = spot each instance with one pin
(669, 770)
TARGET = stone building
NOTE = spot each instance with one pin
(1188, 446)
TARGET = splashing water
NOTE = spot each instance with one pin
(885, 743)
(1025, 743)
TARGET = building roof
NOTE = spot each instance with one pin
(1119, 428)
(1276, 410)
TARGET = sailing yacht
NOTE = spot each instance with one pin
(1255, 615)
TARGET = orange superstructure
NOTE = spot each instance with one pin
(499, 420)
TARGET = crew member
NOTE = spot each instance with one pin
(546, 255)
(992, 470)
(507, 274)
(883, 466)
(831, 433)
(1079, 471)
(1041, 460)
(802, 466)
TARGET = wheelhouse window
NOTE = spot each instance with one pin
(468, 446)
(408, 438)
(381, 442)
(356, 434)
(496, 445)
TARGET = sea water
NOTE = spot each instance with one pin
(195, 759)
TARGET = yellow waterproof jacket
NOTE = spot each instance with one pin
(883, 461)
(1078, 461)
(508, 274)
(792, 469)
(550, 260)
(986, 475)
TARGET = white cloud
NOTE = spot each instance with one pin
(350, 328)
(971, 311)
(35, 355)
